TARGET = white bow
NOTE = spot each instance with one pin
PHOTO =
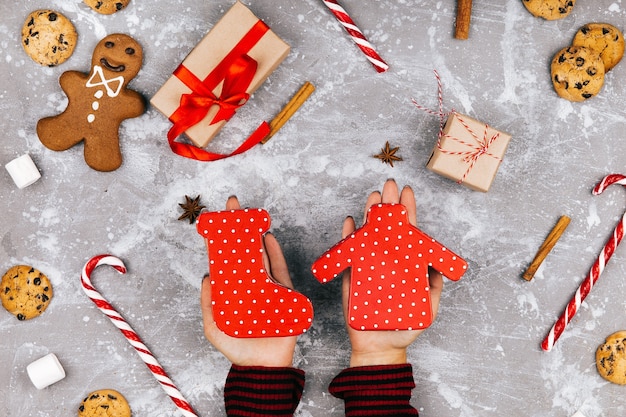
(97, 70)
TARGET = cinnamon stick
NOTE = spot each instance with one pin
(463, 17)
(290, 109)
(546, 247)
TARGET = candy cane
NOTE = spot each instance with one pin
(594, 273)
(357, 36)
(144, 353)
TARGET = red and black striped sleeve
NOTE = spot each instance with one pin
(383, 390)
(252, 391)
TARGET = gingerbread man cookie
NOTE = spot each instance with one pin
(98, 103)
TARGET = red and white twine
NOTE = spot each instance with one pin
(356, 35)
(593, 275)
(142, 350)
(478, 149)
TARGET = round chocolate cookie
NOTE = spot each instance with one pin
(549, 9)
(605, 39)
(611, 358)
(577, 73)
(107, 6)
(25, 292)
(104, 402)
(48, 37)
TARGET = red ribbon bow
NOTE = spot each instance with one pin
(195, 106)
(237, 70)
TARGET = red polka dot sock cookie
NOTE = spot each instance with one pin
(389, 260)
(247, 302)
(98, 103)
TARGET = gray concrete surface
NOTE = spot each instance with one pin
(480, 358)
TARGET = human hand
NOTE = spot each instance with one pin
(267, 351)
(381, 347)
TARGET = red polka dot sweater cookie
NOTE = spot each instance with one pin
(247, 302)
(389, 258)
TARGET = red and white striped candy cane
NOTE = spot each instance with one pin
(594, 273)
(357, 36)
(132, 337)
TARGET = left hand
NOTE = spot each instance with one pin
(266, 351)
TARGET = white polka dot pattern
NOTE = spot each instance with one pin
(389, 258)
(247, 302)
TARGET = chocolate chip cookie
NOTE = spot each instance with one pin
(48, 37)
(603, 38)
(25, 292)
(104, 402)
(549, 9)
(577, 73)
(611, 358)
(107, 6)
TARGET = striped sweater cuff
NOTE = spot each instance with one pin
(262, 391)
(383, 390)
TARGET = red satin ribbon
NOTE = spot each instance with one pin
(195, 106)
(199, 154)
(237, 70)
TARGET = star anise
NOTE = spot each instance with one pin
(388, 155)
(191, 209)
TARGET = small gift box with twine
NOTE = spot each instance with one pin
(469, 152)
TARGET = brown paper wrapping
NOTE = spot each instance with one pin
(451, 156)
(269, 52)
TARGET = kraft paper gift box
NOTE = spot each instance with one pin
(469, 152)
(223, 60)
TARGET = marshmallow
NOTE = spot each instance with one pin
(23, 171)
(45, 371)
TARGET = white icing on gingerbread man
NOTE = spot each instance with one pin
(97, 75)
